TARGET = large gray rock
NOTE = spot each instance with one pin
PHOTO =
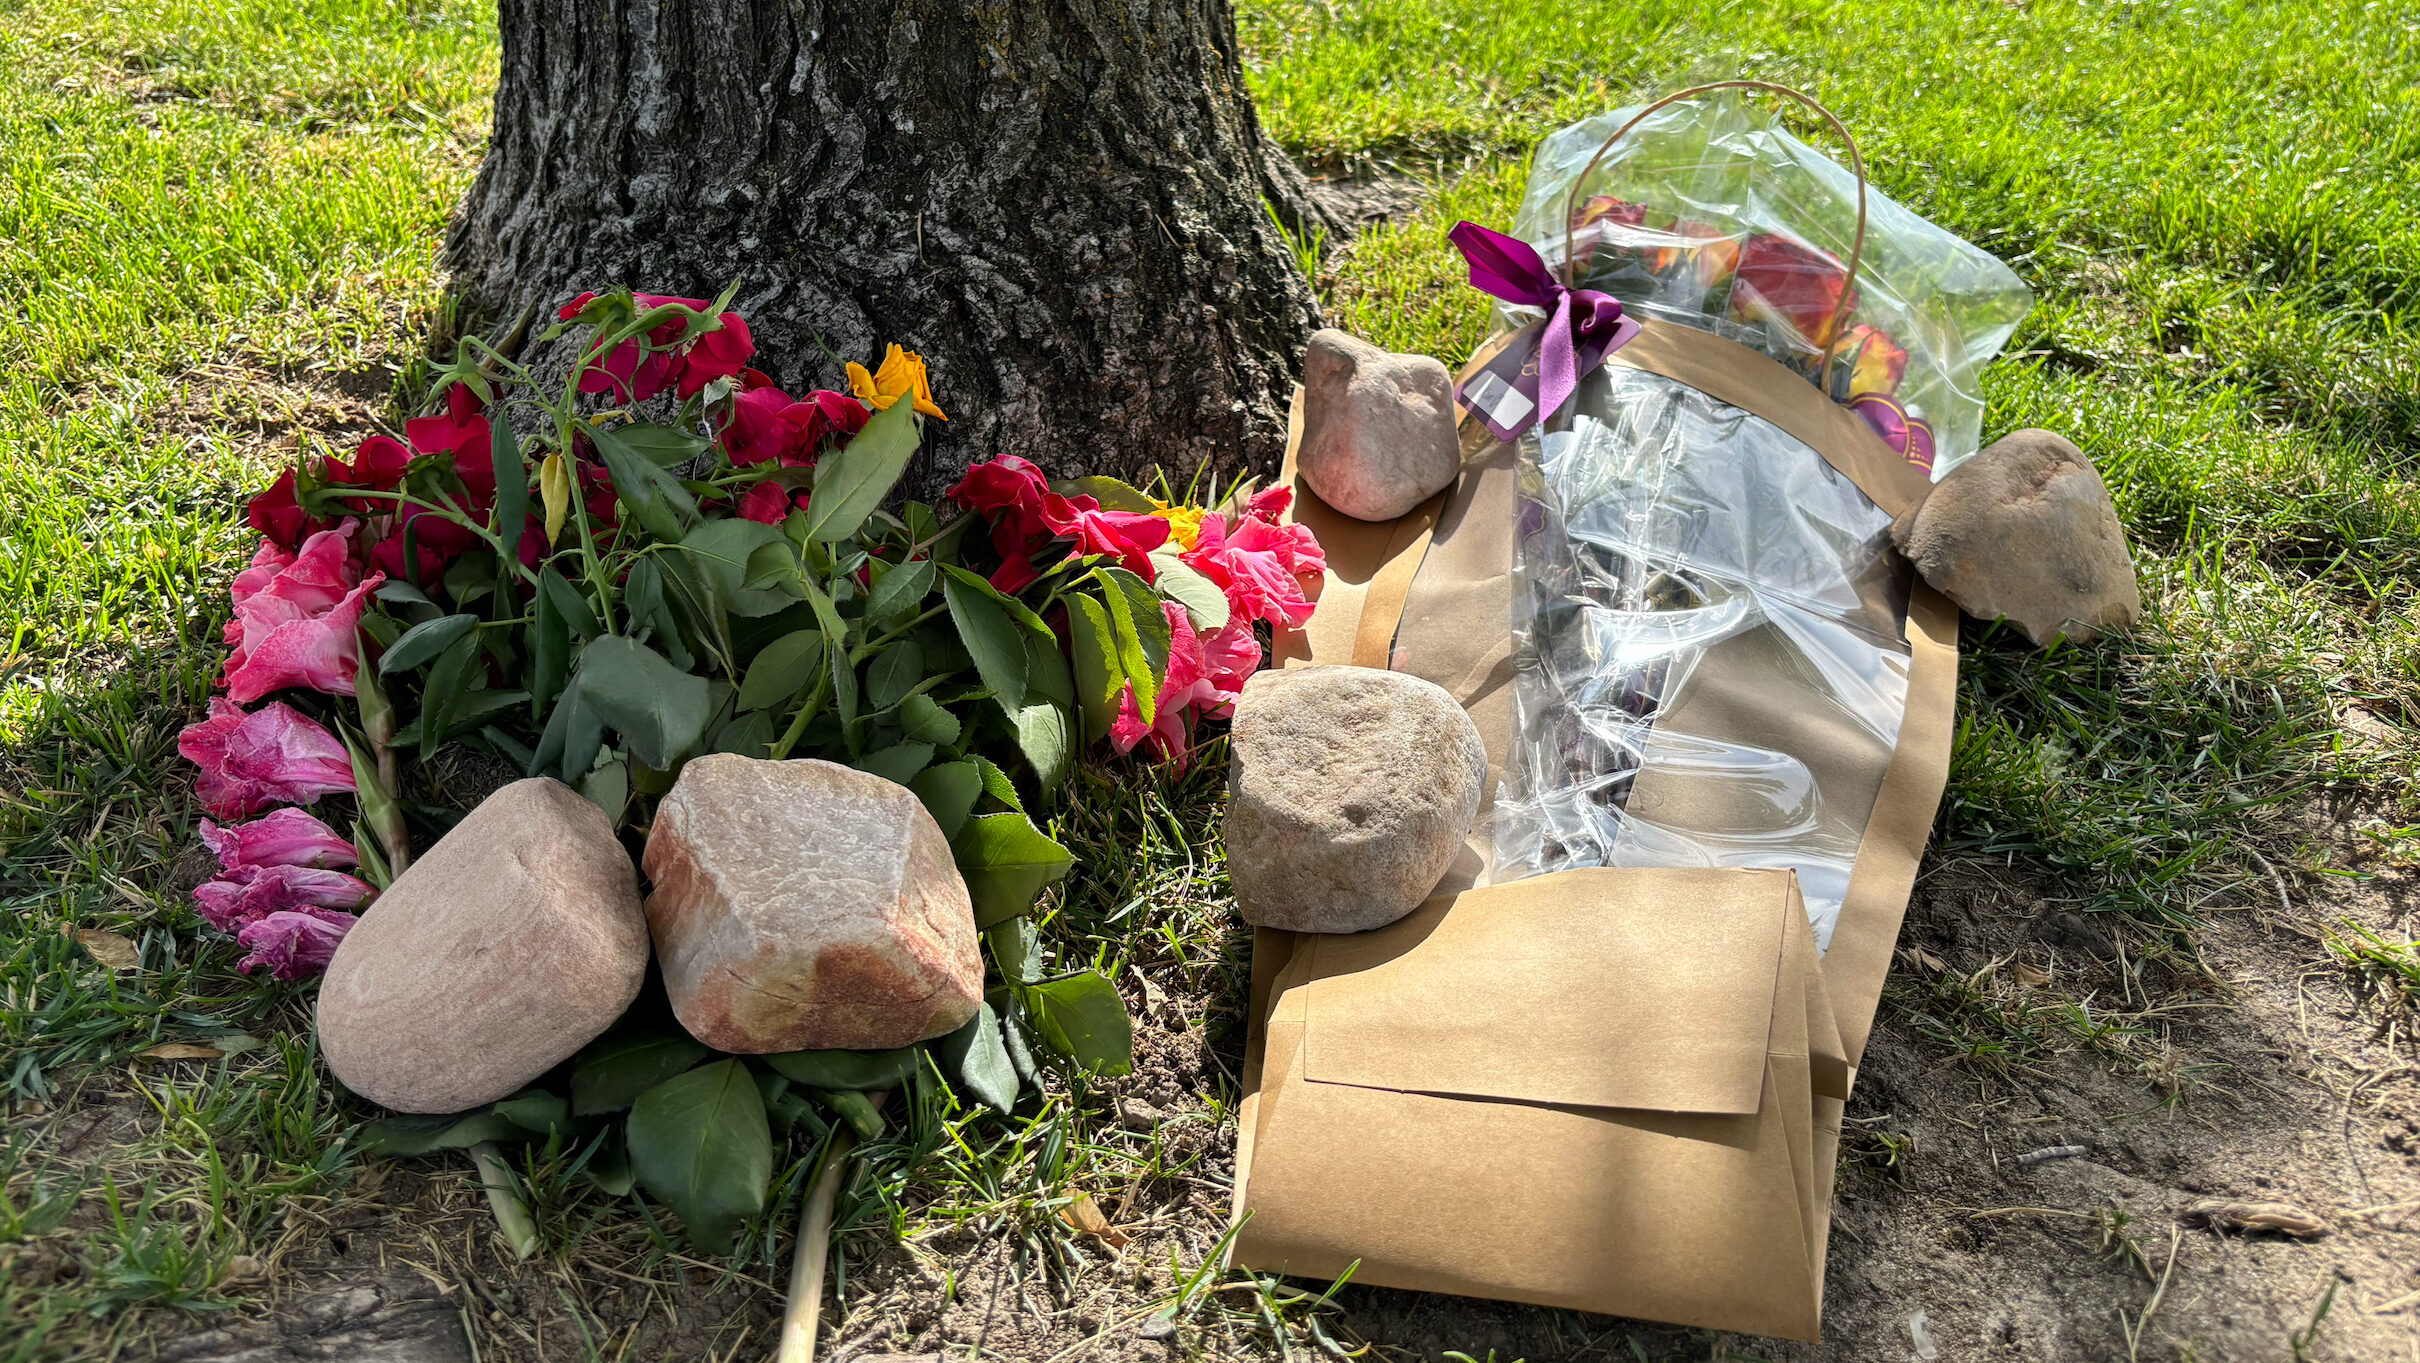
(507, 946)
(803, 905)
(2025, 530)
(1377, 428)
(1352, 790)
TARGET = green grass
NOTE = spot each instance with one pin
(218, 225)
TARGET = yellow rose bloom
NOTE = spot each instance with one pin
(901, 376)
(1184, 522)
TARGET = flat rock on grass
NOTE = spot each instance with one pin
(507, 946)
(1352, 790)
(2025, 530)
(803, 905)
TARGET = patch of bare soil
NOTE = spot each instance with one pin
(2015, 1025)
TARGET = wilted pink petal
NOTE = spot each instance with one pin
(1230, 655)
(244, 895)
(267, 562)
(269, 757)
(299, 624)
(284, 837)
(1166, 733)
(293, 945)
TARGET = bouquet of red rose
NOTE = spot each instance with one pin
(541, 573)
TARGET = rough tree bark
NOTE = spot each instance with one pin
(1059, 202)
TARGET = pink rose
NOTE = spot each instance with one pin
(244, 895)
(1204, 676)
(297, 621)
(272, 756)
(462, 431)
(1260, 566)
(294, 944)
(284, 837)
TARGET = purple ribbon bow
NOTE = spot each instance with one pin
(1530, 383)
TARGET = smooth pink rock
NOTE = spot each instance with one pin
(804, 905)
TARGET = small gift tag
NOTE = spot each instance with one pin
(1504, 393)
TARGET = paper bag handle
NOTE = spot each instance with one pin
(1831, 330)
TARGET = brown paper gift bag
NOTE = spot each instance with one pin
(1610, 1089)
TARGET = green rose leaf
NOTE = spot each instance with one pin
(664, 446)
(699, 1142)
(1082, 1018)
(449, 683)
(1111, 493)
(658, 709)
(922, 720)
(656, 499)
(782, 669)
(991, 635)
(1142, 628)
(395, 1137)
(619, 1066)
(425, 641)
(901, 591)
(847, 1069)
(1006, 862)
(568, 603)
(949, 792)
(721, 550)
(975, 1061)
(512, 487)
(1017, 949)
(1098, 677)
(1180, 582)
(898, 762)
(536, 1111)
(893, 674)
(852, 481)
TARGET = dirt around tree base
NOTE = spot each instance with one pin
(2013, 1025)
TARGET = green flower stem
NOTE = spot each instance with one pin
(871, 647)
(805, 716)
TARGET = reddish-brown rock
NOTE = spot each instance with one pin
(803, 905)
(510, 944)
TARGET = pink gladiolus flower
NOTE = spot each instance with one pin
(294, 944)
(284, 837)
(301, 626)
(272, 756)
(244, 895)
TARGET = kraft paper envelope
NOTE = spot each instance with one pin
(1616, 1090)
(1613, 1090)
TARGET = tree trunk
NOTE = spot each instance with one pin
(1059, 202)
